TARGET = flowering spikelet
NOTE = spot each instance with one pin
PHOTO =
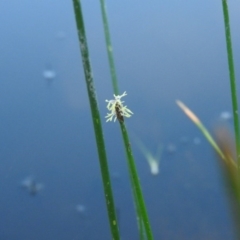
(117, 109)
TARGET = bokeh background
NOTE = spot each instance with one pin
(164, 50)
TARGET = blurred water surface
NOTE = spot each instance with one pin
(164, 50)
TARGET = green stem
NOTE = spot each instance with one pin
(140, 221)
(142, 217)
(96, 121)
(109, 47)
(232, 78)
(136, 184)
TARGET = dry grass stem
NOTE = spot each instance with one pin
(188, 112)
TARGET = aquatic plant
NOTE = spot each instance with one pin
(228, 164)
(117, 111)
(204, 131)
(144, 226)
(232, 78)
(202, 128)
(96, 121)
(153, 160)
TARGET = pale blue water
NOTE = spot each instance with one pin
(163, 51)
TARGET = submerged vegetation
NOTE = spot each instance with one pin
(153, 160)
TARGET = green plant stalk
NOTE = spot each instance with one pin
(140, 218)
(230, 174)
(96, 121)
(136, 184)
(232, 78)
(231, 177)
(142, 221)
(210, 139)
(141, 228)
(109, 47)
(137, 205)
(228, 165)
(204, 131)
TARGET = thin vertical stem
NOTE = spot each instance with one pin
(142, 216)
(96, 121)
(109, 47)
(232, 78)
(136, 185)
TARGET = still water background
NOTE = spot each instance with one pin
(164, 50)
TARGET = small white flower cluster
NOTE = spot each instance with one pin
(116, 107)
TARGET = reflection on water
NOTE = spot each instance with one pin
(225, 116)
(49, 74)
(171, 148)
(31, 185)
(197, 140)
(153, 160)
